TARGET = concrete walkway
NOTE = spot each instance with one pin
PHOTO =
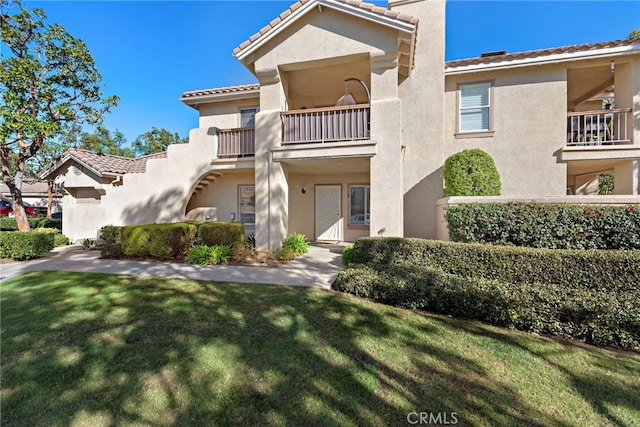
(317, 268)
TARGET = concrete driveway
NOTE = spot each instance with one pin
(317, 268)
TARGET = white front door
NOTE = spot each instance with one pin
(329, 212)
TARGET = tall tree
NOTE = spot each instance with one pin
(102, 141)
(49, 82)
(156, 140)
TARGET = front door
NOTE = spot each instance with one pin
(329, 212)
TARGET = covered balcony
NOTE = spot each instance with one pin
(599, 127)
(322, 125)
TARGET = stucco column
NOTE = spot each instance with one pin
(386, 166)
(272, 192)
(627, 178)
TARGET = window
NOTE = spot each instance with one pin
(248, 117)
(474, 105)
(247, 202)
(359, 205)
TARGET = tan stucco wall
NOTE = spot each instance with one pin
(223, 194)
(302, 205)
(224, 115)
(529, 121)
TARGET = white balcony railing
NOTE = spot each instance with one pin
(331, 124)
(240, 142)
(600, 127)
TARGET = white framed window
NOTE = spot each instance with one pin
(359, 205)
(248, 117)
(247, 203)
(474, 106)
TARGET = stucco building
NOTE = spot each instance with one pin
(354, 113)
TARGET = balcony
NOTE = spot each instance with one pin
(322, 125)
(236, 143)
(599, 127)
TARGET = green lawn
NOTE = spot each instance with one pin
(92, 349)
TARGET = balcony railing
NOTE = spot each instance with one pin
(331, 124)
(600, 127)
(234, 143)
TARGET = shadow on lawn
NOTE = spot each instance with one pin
(104, 350)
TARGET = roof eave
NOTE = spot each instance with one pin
(547, 59)
(194, 100)
(305, 8)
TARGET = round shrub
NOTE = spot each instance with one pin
(471, 173)
(347, 255)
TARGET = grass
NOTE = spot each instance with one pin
(89, 349)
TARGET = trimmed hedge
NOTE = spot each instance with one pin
(25, 245)
(471, 172)
(599, 317)
(9, 223)
(221, 234)
(591, 295)
(161, 241)
(543, 225)
(613, 270)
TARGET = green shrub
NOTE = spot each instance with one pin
(546, 226)
(205, 255)
(60, 240)
(109, 233)
(471, 173)
(285, 253)
(160, 241)
(221, 234)
(347, 255)
(250, 241)
(45, 230)
(606, 183)
(598, 317)
(25, 245)
(9, 223)
(89, 244)
(591, 295)
(298, 244)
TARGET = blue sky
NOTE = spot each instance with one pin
(150, 52)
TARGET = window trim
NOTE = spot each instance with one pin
(240, 110)
(359, 226)
(239, 218)
(477, 133)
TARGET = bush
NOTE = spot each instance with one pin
(606, 183)
(9, 223)
(221, 234)
(205, 255)
(250, 241)
(598, 317)
(591, 295)
(471, 173)
(298, 244)
(60, 240)
(109, 234)
(543, 225)
(160, 241)
(25, 245)
(285, 253)
(347, 255)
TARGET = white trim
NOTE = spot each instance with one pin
(546, 59)
(219, 97)
(332, 4)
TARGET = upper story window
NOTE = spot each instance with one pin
(474, 106)
(248, 117)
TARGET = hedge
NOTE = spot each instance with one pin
(593, 269)
(8, 223)
(591, 295)
(161, 241)
(471, 173)
(221, 234)
(599, 317)
(21, 246)
(544, 225)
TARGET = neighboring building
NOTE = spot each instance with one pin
(346, 133)
(36, 193)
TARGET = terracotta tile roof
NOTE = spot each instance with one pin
(103, 163)
(353, 3)
(221, 90)
(540, 53)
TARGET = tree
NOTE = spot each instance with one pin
(634, 34)
(102, 141)
(49, 83)
(156, 140)
(471, 173)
